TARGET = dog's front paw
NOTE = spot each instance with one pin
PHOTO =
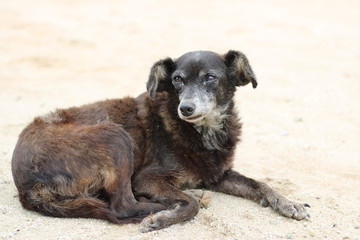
(290, 209)
(203, 197)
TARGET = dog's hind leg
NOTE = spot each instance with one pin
(124, 203)
(70, 170)
(236, 184)
(180, 206)
(117, 183)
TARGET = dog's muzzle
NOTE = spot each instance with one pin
(188, 111)
(194, 111)
(195, 104)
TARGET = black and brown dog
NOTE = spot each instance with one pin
(124, 159)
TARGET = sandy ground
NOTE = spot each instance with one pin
(301, 125)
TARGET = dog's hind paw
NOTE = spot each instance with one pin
(203, 197)
(148, 224)
(156, 221)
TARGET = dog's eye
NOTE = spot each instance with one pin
(178, 79)
(209, 77)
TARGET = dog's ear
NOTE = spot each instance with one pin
(239, 69)
(159, 76)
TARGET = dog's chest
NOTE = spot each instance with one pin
(196, 169)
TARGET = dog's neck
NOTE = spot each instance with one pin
(213, 128)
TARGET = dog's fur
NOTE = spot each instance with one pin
(124, 159)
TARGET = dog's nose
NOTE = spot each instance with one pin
(187, 109)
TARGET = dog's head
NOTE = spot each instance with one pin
(203, 81)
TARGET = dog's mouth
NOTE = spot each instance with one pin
(193, 119)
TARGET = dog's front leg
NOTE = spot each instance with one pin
(236, 184)
(180, 206)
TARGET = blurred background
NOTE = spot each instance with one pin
(301, 125)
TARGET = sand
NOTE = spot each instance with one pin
(301, 131)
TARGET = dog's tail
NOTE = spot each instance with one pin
(79, 207)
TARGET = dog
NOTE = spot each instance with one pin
(128, 160)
